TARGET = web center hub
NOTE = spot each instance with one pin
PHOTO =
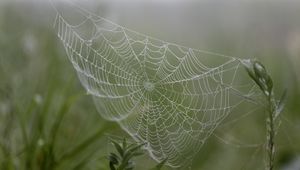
(148, 86)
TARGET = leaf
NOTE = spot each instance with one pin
(124, 143)
(84, 144)
(130, 152)
(136, 147)
(137, 154)
(118, 147)
(160, 165)
(111, 166)
(113, 158)
(122, 160)
(130, 165)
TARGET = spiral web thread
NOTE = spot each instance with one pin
(166, 95)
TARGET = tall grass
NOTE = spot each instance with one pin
(263, 80)
(46, 121)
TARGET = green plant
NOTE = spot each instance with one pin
(123, 159)
(39, 130)
(260, 76)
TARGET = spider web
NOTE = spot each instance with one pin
(166, 95)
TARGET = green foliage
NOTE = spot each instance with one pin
(39, 113)
(123, 159)
(33, 95)
(160, 165)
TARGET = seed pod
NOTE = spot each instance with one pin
(264, 80)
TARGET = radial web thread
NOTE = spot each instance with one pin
(166, 95)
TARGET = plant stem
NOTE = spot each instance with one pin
(263, 80)
(270, 134)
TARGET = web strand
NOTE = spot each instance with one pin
(170, 96)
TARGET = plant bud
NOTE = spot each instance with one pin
(264, 80)
(259, 70)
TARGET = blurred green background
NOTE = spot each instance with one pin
(47, 121)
